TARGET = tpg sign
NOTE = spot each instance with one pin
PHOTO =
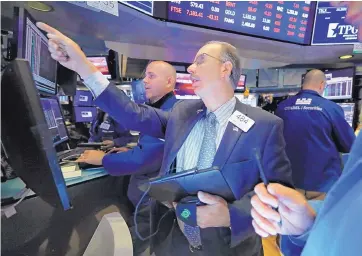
(335, 29)
(330, 27)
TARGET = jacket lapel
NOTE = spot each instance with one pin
(184, 125)
(230, 138)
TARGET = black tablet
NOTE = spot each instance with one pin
(174, 187)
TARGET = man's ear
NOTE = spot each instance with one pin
(170, 82)
(227, 69)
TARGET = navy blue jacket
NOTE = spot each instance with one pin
(315, 131)
(234, 158)
(143, 161)
(337, 229)
(120, 135)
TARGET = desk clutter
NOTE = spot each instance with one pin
(71, 170)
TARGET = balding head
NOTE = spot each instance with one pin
(314, 80)
(159, 80)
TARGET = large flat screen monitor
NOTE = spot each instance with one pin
(32, 45)
(279, 20)
(183, 87)
(26, 137)
(54, 118)
(339, 83)
(348, 109)
(101, 64)
(330, 26)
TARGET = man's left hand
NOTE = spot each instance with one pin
(94, 157)
(214, 214)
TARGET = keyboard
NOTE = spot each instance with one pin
(71, 152)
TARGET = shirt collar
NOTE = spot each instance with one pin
(309, 91)
(160, 102)
(224, 111)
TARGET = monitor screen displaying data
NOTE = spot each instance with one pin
(330, 26)
(280, 20)
(54, 119)
(43, 67)
(339, 84)
(348, 109)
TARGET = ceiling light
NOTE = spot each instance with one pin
(344, 57)
(40, 6)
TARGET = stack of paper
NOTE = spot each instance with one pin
(71, 171)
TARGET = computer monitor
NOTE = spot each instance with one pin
(54, 118)
(101, 64)
(67, 80)
(85, 114)
(32, 44)
(83, 98)
(348, 109)
(339, 83)
(63, 99)
(183, 87)
(241, 83)
(26, 138)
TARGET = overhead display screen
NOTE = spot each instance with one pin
(330, 27)
(281, 20)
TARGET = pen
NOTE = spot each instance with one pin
(263, 176)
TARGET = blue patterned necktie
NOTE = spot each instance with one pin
(206, 158)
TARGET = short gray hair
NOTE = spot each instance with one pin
(230, 53)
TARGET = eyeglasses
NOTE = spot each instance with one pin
(202, 57)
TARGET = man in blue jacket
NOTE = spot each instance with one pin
(331, 227)
(112, 134)
(217, 130)
(315, 131)
(144, 160)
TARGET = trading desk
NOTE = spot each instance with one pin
(11, 188)
(40, 230)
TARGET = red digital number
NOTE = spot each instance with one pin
(279, 16)
(251, 9)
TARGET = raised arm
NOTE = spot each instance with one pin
(109, 98)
